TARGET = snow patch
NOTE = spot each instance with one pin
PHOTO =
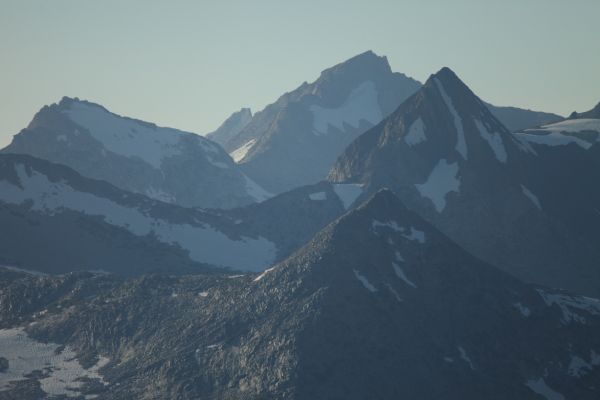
(441, 181)
(239, 153)
(125, 136)
(399, 256)
(568, 304)
(265, 272)
(461, 144)
(532, 197)
(578, 367)
(525, 311)
(255, 191)
(415, 234)
(394, 292)
(574, 125)
(347, 192)
(408, 233)
(540, 387)
(204, 243)
(364, 282)
(319, 196)
(24, 271)
(552, 138)
(393, 225)
(63, 371)
(494, 139)
(465, 357)
(523, 144)
(416, 133)
(160, 195)
(400, 274)
(361, 105)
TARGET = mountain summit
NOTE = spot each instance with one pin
(295, 140)
(448, 158)
(162, 163)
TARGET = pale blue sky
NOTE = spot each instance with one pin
(189, 64)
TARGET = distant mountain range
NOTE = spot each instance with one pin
(296, 140)
(378, 305)
(366, 236)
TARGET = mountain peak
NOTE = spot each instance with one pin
(446, 72)
(382, 208)
(367, 63)
(447, 81)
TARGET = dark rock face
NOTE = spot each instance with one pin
(54, 220)
(162, 163)
(564, 158)
(378, 305)
(294, 141)
(448, 158)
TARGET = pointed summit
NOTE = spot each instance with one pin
(450, 160)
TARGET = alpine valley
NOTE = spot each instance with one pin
(364, 236)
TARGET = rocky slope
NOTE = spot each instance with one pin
(378, 305)
(55, 220)
(162, 163)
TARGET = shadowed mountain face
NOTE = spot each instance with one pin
(162, 163)
(448, 158)
(378, 305)
(563, 164)
(295, 140)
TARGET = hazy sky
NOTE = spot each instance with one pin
(189, 64)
